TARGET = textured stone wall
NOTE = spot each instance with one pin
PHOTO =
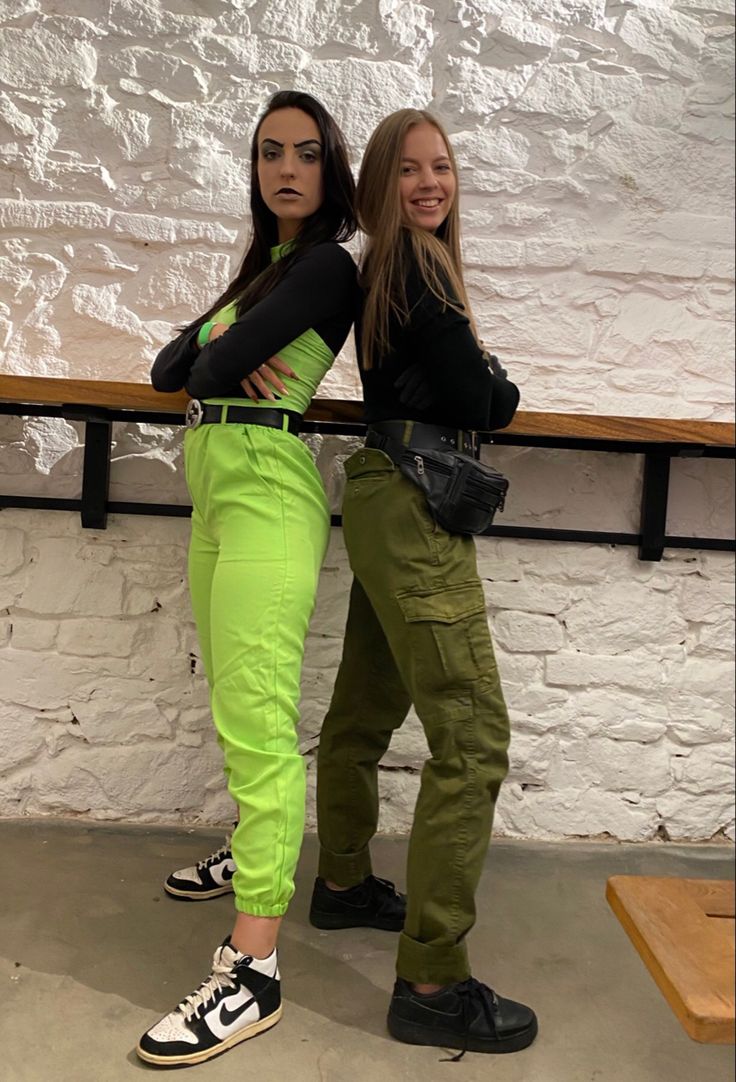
(595, 141)
(619, 674)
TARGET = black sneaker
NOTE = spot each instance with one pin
(239, 999)
(207, 879)
(469, 1016)
(374, 903)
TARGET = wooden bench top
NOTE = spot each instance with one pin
(684, 931)
(107, 394)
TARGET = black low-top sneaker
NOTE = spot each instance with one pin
(240, 998)
(469, 1016)
(374, 903)
(207, 879)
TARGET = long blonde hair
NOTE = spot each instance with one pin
(386, 260)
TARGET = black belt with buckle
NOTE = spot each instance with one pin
(417, 434)
(201, 413)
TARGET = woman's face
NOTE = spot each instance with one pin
(427, 184)
(290, 155)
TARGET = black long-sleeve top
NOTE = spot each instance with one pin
(318, 291)
(466, 393)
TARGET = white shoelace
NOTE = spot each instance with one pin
(219, 854)
(220, 978)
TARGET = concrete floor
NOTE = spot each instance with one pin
(92, 952)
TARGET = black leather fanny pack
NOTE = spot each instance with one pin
(462, 494)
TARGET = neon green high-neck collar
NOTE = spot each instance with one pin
(280, 250)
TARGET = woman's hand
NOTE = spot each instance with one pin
(493, 362)
(256, 384)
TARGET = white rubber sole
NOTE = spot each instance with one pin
(198, 896)
(200, 1057)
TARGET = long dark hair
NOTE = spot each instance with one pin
(334, 219)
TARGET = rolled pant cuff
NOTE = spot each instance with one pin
(422, 963)
(345, 869)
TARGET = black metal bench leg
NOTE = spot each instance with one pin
(654, 493)
(96, 475)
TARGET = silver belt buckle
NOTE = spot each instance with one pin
(194, 414)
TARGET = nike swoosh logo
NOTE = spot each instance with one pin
(228, 1017)
(223, 873)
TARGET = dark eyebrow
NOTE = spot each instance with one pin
(303, 143)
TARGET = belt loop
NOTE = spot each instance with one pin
(223, 414)
(408, 429)
(285, 423)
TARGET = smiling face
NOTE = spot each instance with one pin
(427, 183)
(290, 155)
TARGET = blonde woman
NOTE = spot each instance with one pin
(417, 629)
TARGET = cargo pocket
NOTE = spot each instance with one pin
(369, 473)
(450, 640)
(368, 462)
(366, 473)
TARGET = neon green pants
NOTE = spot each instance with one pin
(260, 526)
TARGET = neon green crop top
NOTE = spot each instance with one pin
(308, 356)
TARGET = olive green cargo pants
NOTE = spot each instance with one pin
(416, 632)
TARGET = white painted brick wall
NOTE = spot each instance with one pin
(618, 673)
(595, 141)
(629, 733)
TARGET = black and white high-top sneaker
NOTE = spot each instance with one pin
(207, 879)
(240, 998)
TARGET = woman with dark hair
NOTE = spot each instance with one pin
(260, 527)
(417, 628)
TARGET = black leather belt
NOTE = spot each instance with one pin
(201, 413)
(417, 434)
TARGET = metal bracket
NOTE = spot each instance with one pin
(654, 494)
(96, 463)
(651, 540)
(96, 475)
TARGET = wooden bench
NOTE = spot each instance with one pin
(684, 931)
(141, 396)
(98, 403)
